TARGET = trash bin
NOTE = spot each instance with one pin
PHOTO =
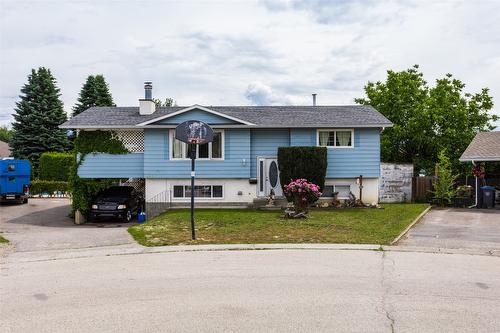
(488, 196)
(141, 217)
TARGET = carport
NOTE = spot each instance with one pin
(485, 147)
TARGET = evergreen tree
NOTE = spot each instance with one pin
(38, 115)
(94, 92)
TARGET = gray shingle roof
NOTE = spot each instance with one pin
(261, 116)
(484, 147)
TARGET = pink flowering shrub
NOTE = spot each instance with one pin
(302, 194)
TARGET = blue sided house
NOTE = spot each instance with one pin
(239, 166)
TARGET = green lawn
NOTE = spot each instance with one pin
(3, 240)
(246, 226)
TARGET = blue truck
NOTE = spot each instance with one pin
(14, 180)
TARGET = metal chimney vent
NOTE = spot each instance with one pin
(148, 90)
(314, 99)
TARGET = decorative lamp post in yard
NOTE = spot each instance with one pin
(193, 133)
(359, 181)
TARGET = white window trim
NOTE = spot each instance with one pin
(184, 198)
(334, 190)
(171, 152)
(335, 137)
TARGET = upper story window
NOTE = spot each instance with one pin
(209, 151)
(341, 138)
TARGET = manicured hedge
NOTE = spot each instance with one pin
(55, 166)
(47, 186)
(302, 162)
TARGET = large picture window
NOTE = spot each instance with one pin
(208, 151)
(200, 191)
(336, 138)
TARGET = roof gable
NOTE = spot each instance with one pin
(484, 147)
(197, 112)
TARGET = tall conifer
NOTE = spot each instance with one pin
(38, 116)
(94, 92)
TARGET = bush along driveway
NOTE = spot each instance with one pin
(3, 240)
(246, 226)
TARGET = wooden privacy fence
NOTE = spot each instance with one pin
(421, 187)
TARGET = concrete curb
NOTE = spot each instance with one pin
(129, 249)
(441, 250)
(415, 221)
(243, 247)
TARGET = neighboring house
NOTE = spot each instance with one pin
(4, 150)
(485, 147)
(235, 168)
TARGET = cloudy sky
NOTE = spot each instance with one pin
(245, 52)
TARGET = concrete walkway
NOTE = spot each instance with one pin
(452, 228)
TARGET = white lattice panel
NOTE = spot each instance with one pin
(132, 140)
(138, 183)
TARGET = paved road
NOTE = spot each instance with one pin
(457, 229)
(43, 224)
(254, 291)
(66, 278)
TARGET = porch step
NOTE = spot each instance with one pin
(279, 202)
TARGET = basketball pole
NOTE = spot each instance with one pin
(193, 156)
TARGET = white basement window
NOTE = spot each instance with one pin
(209, 151)
(340, 138)
(200, 191)
(343, 191)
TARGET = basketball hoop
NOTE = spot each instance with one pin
(193, 132)
(194, 141)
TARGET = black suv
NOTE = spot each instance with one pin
(117, 201)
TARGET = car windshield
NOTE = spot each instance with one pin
(117, 190)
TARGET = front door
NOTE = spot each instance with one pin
(268, 177)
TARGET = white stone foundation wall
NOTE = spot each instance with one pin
(395, 182)
(240, 191)
(234, 190)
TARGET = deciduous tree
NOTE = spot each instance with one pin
(5, 134)
(427, 119)
(168, 102)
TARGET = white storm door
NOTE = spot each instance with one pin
(268, 177)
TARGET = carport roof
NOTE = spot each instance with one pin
(484, 147)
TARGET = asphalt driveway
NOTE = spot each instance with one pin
(43, 224)
(454, 228)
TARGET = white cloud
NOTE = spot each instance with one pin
(229, 52)
(260, 94)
